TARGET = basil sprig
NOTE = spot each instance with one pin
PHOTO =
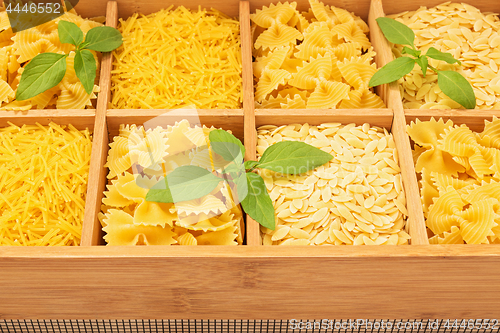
(451, 83)
(46, 70)
(193, 182)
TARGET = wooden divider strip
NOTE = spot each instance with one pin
(250, 134)
(97, 177)
(391, 95)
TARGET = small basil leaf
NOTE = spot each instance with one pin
(85, 68)
(396, 32)
(410, 51)
(423, 62)
(160, 192)
(456, 87)
(257, 202)
(69, 33)
(438, 55)
(293, 157)
(186, 182)
(393, 71)
(226, 145)
(43, 72)
(239, 185)
(103, 39)
(251, 164)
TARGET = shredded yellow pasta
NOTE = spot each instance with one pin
(178, 57)
(43, 183)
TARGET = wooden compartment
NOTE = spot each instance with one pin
(252, 281)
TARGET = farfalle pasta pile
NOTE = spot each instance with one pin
(316, 59)
(471, 37)
(137, 160)
(460, 180)
(355, 199)
(17, 49)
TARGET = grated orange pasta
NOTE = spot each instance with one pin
(16, 49)
(43, 183)
(178, 57)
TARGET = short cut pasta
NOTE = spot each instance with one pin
(355, 199)
(459, 173)
(316, 59)
(137, 160)
(471, 37)
(16, 49)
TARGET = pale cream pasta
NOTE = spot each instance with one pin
(357, 198)
(471, 37)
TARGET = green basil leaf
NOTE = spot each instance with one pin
(85, 68)
(226, 145)
(43, 72)
(456, 87)
(160, 192)
(239, 185)
(257, 202)
(251, 164)
(438, 55)
(423, 62)
(396, 32)
(393, 71)
(293, 157)
(103, 39)
(69, 33)
(186, 182)
(410, 51)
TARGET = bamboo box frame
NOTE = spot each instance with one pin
(250, 281)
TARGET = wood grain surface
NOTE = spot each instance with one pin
(250, 282)
(252, 227)
(358, 7)
(91, 230)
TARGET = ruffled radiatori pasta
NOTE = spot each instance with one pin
(137, 160)
(459, 173)
(301, 57)
(17, 49)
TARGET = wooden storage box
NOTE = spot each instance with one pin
(250, 281)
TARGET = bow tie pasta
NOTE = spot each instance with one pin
(318, 59)
(17, 49)
(459, 180)
(137, 160)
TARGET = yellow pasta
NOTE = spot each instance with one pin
(138, 160)
(43, 184)
(459, 198)
(17, 49)
(176, 58)
(314, 52)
